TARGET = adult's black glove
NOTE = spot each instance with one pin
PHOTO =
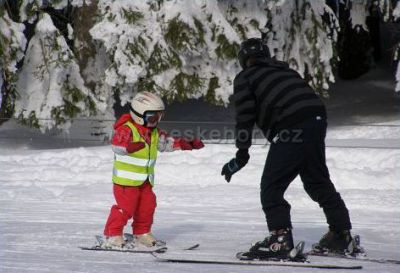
(235, 164)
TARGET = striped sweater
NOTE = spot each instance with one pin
(274, 97)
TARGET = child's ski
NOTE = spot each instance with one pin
(130, 246)
(128, 250)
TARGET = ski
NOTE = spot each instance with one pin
(196, 260)
(128, 250)
(357, 258)
(159, 248)
(193, 247)
(296, 259)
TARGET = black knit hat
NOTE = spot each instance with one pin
(253, 47)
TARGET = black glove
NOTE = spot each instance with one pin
(235, 164)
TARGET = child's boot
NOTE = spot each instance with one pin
(148, 240)
(114, 242)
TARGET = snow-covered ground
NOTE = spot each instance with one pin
(52, 201)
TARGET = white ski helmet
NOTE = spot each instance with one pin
(147, 109)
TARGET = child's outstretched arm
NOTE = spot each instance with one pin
(167, 143)
(122, 141)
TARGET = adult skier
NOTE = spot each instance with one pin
(293, 118)
(135, 143)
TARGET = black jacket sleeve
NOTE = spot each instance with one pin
(245, 111)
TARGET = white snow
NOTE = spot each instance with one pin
(70, 32)
(398, 77)
(80, 3)
(396, 11)
(52, 201)
(358, 14)
(60, 4)
(14, 42)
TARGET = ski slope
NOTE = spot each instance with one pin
(52, 201)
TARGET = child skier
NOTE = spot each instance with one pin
(135, 143)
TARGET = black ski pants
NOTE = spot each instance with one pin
(300, 151)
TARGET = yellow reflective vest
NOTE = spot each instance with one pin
(135, 168)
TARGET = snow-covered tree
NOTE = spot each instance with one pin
(179, 49)
(50, 88)
(83, 56)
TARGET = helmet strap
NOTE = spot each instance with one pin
(135, 112)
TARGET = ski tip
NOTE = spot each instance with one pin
(195, 246)
(88, 248)
(155, 255)
(354, 267)
(159, 256)
(160, 250)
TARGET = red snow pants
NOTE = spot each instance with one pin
(138, 203)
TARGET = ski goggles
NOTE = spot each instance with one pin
(152, 118)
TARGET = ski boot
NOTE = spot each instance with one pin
(339, 243)
(147, 240)
(277, 246)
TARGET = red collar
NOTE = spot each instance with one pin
(144, 131)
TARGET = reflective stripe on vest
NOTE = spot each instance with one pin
(135, 168)
(134, 161)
